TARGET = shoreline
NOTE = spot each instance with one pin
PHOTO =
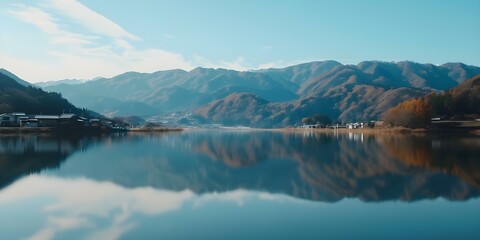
(148, 130)
(5, 131)
(74, 131)
(395, 130)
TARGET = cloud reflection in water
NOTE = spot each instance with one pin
(77, 204)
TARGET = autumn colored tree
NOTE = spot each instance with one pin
(414, 113)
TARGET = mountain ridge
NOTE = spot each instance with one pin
(14, 77)
(346, 92)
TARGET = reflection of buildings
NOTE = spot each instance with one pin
(355, 136)
(25, 154)
(34, 143)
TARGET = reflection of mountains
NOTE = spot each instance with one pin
(317, 167)
(454, 156)
(26, 154)
(368, 168)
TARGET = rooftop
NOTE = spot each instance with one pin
(67, 115)
(46, 117)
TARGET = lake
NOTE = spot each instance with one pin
(214, 184)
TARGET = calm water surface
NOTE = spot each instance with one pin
(240, 185)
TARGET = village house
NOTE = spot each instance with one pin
(47, 120)
(309, 126)
(70, 120)
(29, 122)
(354, 125)
(23, 120)
(11, 119)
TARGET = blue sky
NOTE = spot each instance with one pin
(43, 40)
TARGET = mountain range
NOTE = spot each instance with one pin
(268, 97)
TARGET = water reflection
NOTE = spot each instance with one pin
(85, 209)
(79, 201)
(248, 185)
(320, 167)
(443, 153)
(20, 155)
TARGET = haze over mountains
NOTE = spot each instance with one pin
(268, 97)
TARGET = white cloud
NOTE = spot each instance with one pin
(67, 38)
(270, 65)
(103, 48)
(46, 23)
(99, 48)
(90, 19)
(89, 63)
(123, 44)
(35, 16)
(282, 64)
(238, 64)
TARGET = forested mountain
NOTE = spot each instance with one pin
(174, 90)
(459, 103)
(348, 93)
(15, 97)
(270, 97)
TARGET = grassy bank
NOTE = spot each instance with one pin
(160, 129)
(392, 130)
(358, 130)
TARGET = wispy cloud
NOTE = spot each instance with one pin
(90, 19)
(282, 63)
(270, 65)
(239, 64)
(85, 44)
(35, 16)
(46, 23)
